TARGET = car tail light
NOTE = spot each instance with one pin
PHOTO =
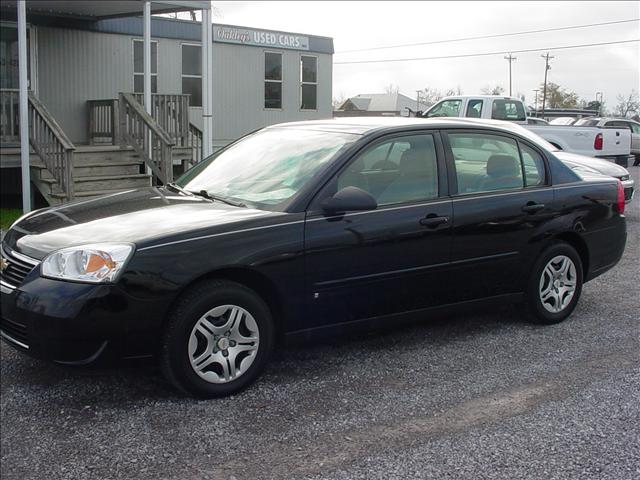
(620, 201)
(597, 143)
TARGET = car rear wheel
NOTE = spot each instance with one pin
(217, 340)
(555, 284)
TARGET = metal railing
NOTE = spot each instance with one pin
(51, 144)
(9, 113)
(150, 141)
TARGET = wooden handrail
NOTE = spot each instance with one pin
(148, 119)
(51, 144)
(51, 122)
(150, 141)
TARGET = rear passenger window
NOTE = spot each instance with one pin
(474, 108)
(508, 110)
(485, 163)
(399, 170)
(533, 167)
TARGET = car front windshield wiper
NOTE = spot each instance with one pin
(176, 188)
(226, 200)
(219, 198)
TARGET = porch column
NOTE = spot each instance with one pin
(207, 87)
(146, 34)
(24, 106)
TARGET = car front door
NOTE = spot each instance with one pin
(500, 197)
(389, 260)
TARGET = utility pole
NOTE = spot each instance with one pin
(547, 67)
(599, 103)
(536, 100)
(510, 58)
(417, 101)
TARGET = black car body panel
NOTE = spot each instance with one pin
(315, 271)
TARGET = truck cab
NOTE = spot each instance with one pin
(480, 106)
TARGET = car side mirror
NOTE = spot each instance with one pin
(348, 199)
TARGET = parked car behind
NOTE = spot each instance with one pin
(536, 121)
(563, 121)
(317, 226)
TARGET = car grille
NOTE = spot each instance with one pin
(16, 267)
(14, 332)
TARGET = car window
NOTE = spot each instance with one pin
(485, 162)
(407, 173)
(533, 165)
(618, 124)
(446, 108)
(635, 128)
(474, 108)
(505, 109)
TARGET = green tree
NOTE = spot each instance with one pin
(558, 97)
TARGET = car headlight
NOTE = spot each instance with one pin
(95, 263)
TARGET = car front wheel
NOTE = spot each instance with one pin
(217, 340)
(555, 284)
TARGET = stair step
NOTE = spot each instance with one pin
(92, 193)
(111, 182)
(129, 167)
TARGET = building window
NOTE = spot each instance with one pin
(138, 66)
(192, 74)
(272, 80)
(308, 83)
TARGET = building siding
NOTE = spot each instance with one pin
(78, 65)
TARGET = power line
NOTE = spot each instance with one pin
(497, 35)
(485, 54)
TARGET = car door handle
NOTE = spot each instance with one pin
(433, 221)
(532, 207)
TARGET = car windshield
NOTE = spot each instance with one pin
(265, 168)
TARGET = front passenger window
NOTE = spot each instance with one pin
(398, 170)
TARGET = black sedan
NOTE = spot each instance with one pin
(303, 228)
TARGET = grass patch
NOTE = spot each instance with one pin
(8, 216)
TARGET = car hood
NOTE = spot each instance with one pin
(142, 217)
(601, 166)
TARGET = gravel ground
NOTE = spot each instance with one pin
(478, 396)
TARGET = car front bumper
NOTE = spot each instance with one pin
(75, 323)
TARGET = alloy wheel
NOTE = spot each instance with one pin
(223, 344)
(558, 283)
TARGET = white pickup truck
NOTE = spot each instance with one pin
(610, 143)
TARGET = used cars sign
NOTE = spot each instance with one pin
(260, 38)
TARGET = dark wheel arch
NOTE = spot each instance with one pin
(576, 241)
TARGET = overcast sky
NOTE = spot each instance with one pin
(611, 69)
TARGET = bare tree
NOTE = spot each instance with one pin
(339, 100)
(628, 104)
(488, 90)
(392, 88)
(429, 96)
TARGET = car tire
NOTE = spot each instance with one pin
(217, 340)
(555, 284)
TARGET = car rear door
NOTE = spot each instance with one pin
(500, 197)
(361, 265)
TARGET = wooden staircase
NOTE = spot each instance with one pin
(97, 170)
(144, 149)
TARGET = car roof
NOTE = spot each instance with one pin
(365, 125)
